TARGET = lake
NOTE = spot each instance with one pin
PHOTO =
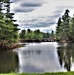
(39, 58)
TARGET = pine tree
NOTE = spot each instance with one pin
(63, 27)
(59, 29)
(8, 30)
(66, 25)
(10, 21)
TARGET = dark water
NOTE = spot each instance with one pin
(38, 57)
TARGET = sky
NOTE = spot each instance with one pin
(40, 14)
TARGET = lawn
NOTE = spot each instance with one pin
(60, 73)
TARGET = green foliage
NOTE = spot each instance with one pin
(46, 35)
(35, 35)
(23, 34)
(30, 35)
(38, 34)
(8, 30)
(72, 28)
(65, 27)
(59, 73)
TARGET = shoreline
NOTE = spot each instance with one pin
(9, 46)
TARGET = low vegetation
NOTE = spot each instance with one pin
(60, 73)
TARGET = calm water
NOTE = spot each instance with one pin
(38, 57)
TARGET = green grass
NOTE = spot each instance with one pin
(59, 73)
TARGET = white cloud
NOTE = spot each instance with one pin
(35, 13)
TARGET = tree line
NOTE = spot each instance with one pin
(65, 27)
(34, 35)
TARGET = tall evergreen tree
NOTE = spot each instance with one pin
(63, 27)
(8, 30)
(66, 26)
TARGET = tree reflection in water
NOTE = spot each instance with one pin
(66, 55)
(8, 62)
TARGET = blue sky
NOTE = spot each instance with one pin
(40, 14)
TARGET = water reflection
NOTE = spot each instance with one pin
(39, 57)
(8, 62)
(66, 55)
(30, 53)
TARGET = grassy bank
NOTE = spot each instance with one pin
(60, 73)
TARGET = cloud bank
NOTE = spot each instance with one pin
(40, 14)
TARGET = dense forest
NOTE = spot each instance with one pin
(8, 29)
(65, 28)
